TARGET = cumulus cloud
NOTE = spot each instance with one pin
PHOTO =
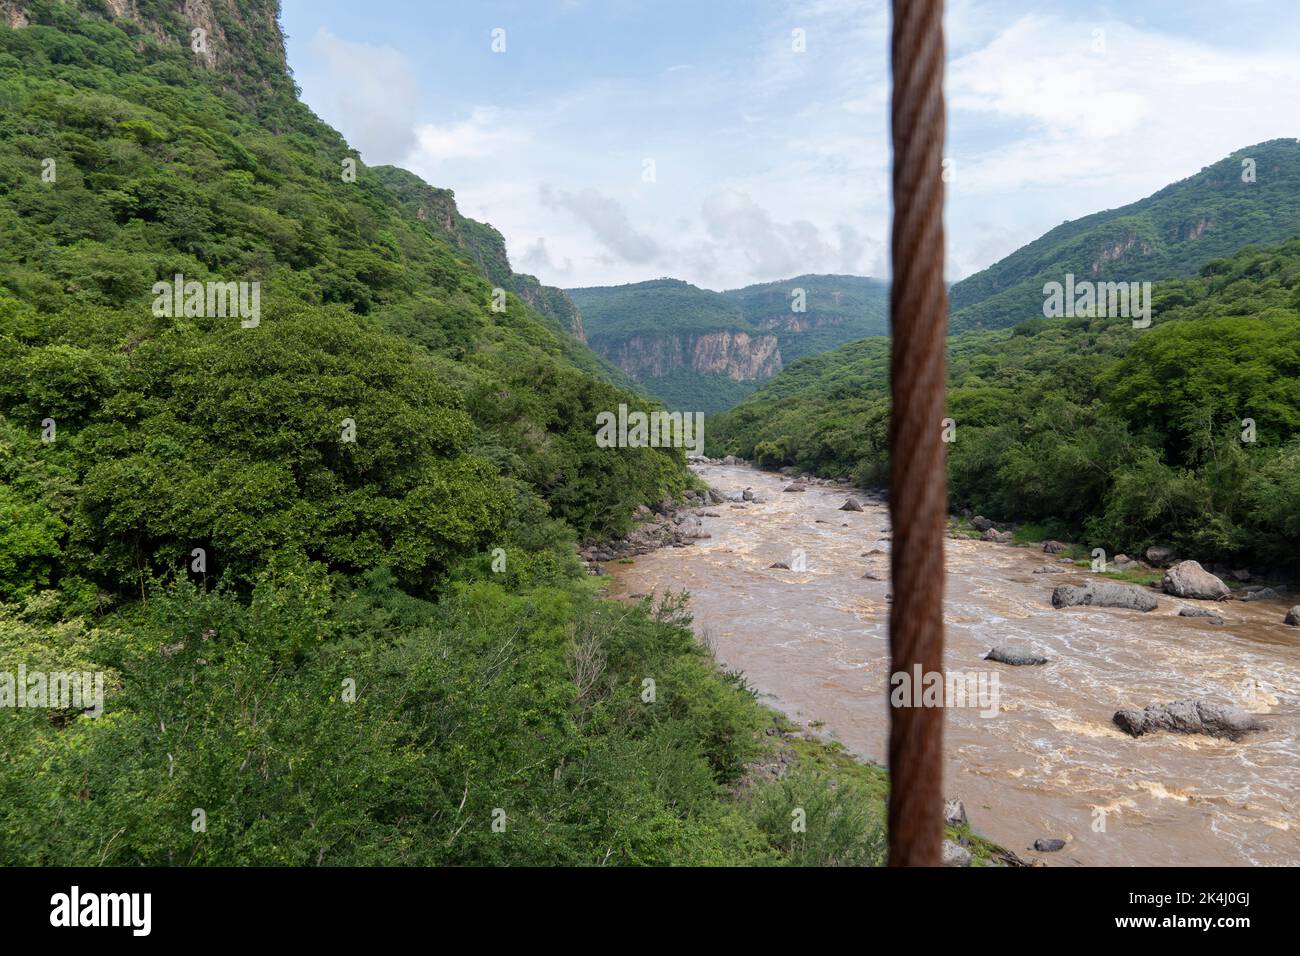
(772, 249)
(536, 258)
(485, 133)
(608, 221)
(1104, 103)
(371, 94)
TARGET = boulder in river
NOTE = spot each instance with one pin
(1017, 655)
(1047, 569)
(1053, 547)
(1104, 594)
(954, 812)
(996, 536)
(796, 486)
(1213, 616)
(1048, 845)
(780, 566)
(851, 504)
(747, 494)
(1160, 556)
(1260, 594)
(1293, 616)
(980, 523)
(1188, 717)
(1187, 579)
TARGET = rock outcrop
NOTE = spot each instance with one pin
(1104, 594)
(1187, 579)
(1159, 555)
(1188, 717)
(1017, 655)
(954, 854)
(1212, 616)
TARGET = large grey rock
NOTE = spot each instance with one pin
(1212, 616)
(1000, 537)
(1188, 717)
(1053, 547)
(1017, 655)
(1293, 616)
(1159, 555)
(1260, 594)
(689, 526)
(954, 813)
(796, 486)
(980, 523)
(1048, 845)
(955, 855)
(1104, 594)
(1187, 579)
(851, 504)
(747, 495)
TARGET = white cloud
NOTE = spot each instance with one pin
(372, 94)
(486, 133)
(1045, 128)
(608, 221)
(773, 163)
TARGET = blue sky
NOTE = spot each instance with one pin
(620, 140)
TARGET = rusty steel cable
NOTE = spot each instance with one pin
(918, 498)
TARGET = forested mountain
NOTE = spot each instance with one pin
(701, 350)
(320, 546)
(1186, 433)
(1252, 196)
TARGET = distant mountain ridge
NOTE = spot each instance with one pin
(702, 350)
(1250, 197)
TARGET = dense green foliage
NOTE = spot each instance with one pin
(1171, 233)
(526, 709)
(1125, 437)
(613, 314)
(353, 470)
(668, 316)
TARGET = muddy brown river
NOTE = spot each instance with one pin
(1048, 762)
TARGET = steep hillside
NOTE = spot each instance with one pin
(276, 469)
(481, 244)
(702, 350)
(1170, 233)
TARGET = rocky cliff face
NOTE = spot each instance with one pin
(738, 355)
(239, 37)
